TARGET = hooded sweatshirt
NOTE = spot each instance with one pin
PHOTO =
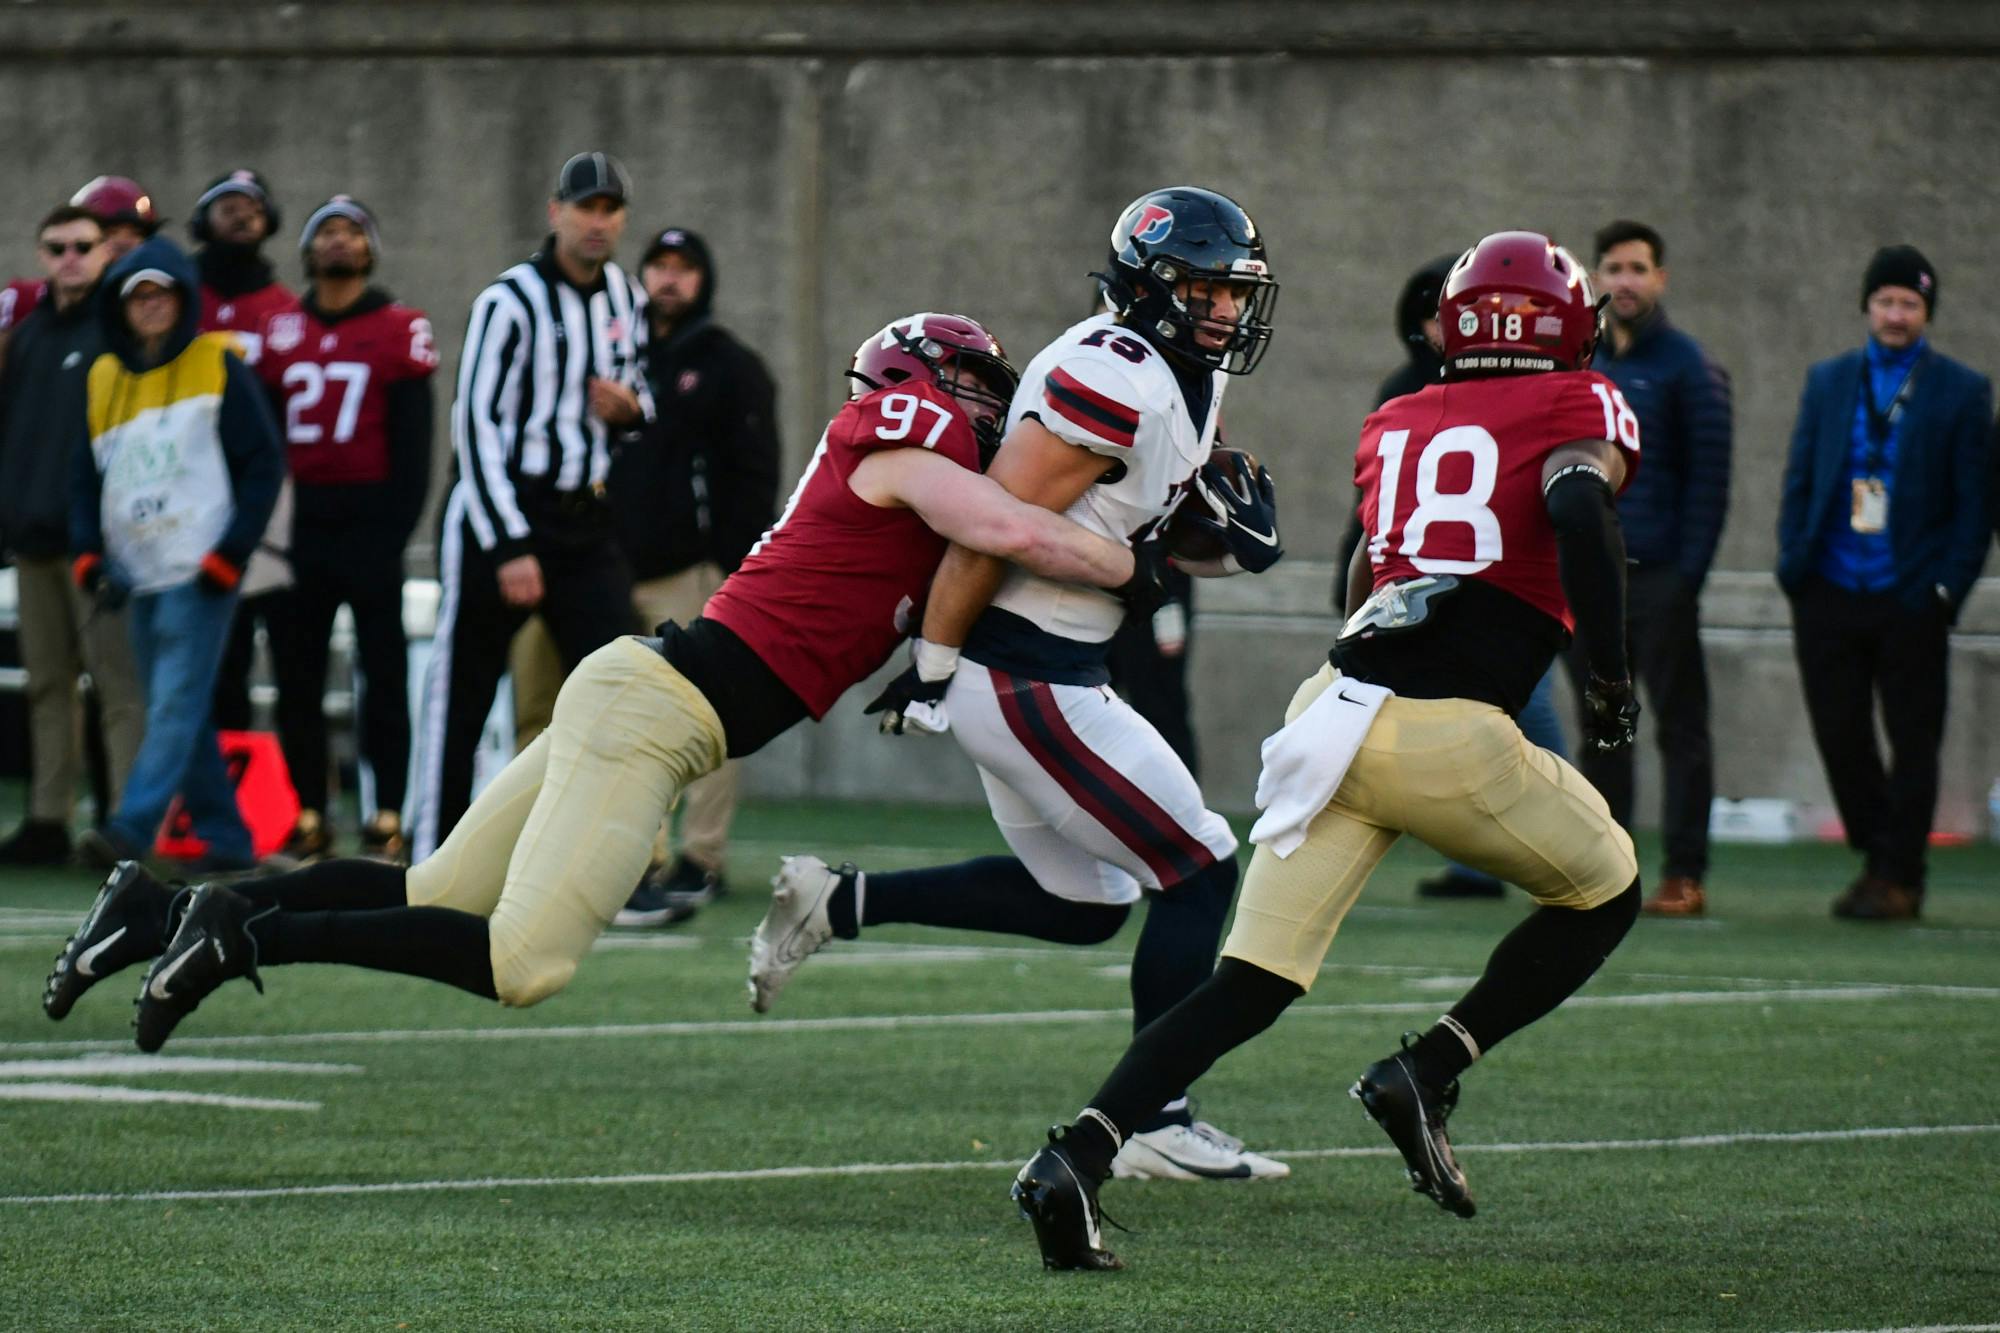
(185, 459)
(698, 483)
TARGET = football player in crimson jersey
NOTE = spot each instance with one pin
(351, 373)
(240, 293)
(1491, 534)
(513, 899)
(1112, 423)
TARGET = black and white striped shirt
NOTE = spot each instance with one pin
(521, 427)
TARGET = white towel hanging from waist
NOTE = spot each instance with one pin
(1306, 760)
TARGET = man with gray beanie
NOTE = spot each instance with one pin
(351, 370)
(1882, 529)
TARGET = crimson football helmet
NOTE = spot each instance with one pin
(113, 199)
(1166, 239)
(954, 352)
(1517, 302)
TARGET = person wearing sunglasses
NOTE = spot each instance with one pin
(41, 425)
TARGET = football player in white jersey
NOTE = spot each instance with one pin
(1113, 423)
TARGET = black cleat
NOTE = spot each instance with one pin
(1413, 1117)
(212, 945)
(1062, 1203)
(128, 923)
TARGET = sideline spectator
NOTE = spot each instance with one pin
(351, 369)
(1881, 532)
(125, 212)
(183, 467)
(41, 426)
(240, 292)
(1672, 514)
(548, 369)
(692, 491)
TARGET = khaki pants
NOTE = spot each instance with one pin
(537, 670)
(551, 848)
(1460, 776)
(62, 636)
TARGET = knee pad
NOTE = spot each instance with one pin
(1094, 923)
(529, 979)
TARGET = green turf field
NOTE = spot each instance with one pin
(1765, 1120)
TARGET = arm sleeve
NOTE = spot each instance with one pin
(408, 405)
(1590, 556)
(1971, 469)
(746, 500)
(256, 458)
(1796, 493)
(1705, 499)
(1086, 402)
(485, 421)
(86, 492)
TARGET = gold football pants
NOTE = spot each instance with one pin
(551, 849)
(1460, 776)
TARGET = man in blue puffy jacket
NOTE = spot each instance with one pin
(1672, 517)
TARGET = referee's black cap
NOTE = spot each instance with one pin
(588, 175)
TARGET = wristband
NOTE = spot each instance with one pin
(934, 661)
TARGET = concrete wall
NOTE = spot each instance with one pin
(852, 162)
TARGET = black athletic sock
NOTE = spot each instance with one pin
(991, 893)
(354, 884)
(1235, 1004)
(1175, 954)
(1542, 962)
(437, 943)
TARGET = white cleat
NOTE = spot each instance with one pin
(1192, 1152)
(795, 926)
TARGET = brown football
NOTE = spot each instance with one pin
(1187, 542)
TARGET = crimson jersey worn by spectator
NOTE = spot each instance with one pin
(246, 315)
(18, 298)
(1444, 473)
(333, 377)
(837, 583)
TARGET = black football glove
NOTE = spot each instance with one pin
(912, 703)
(1248, 502)
(1146, 591)
(1610, 715)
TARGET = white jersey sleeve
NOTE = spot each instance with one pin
(1090, 403)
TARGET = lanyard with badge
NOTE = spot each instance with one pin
(1870, 510)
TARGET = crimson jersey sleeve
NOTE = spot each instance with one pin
(410, 351)
(1450, 478)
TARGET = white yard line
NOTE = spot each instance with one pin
(894, 1022)
(97, 1092)
(911, 1168)
(128, 1065)
(1924, 1328)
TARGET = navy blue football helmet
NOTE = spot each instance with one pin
(1169, 252)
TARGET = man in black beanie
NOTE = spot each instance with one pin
(1882, 529)
(692, 492)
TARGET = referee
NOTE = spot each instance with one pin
(550, 368)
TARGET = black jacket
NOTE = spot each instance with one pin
(700, 482)
(1673, 511)
(43, 423)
